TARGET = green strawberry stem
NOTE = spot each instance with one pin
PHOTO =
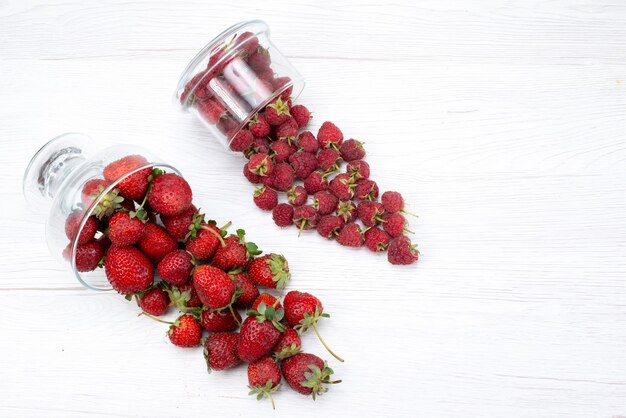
(232, 312)
(326, 346)
(217, 234)
(157, 319)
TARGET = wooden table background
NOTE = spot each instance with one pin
(502, 122)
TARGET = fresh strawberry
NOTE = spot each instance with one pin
(352, 150)
(258, 126)
(125, 229)
(288, 345)
(283, 150)
(215, 288)
(72, 224)
(178, 225)
(370, 213)
(307, 374)
(156, 243)
(328, 160)
(132, 186)
(401, 251)
(170, 194)
(261, 164)
(316, 182)
(220, 351)
(283, 215)
(305, 218)
(154, 301)
(395, 225)
(342, 186)
(270, 270)
(303, 163)
(185, 331)
(235, 253)
(329, 226)
(376, 239)
(246, 289)
(281, 178)
(175, 268)
(281, 83)
(308, 143)
(347, 211)
(325, 202)
(358, 169)
(242, 140)
(301, 115)
(351, 235)
(252, 178)
(287, 131)
(91, 190)
(184, 297)
(88, 255)
(268, 299)
(263, 378)
(259, 332)
(128, 270)
(297, 196)
(204, 238)
(211, 110)
(277, 112)
(329, 135)
(366, 189)
(111, 202)
(218, 321)
(265, 198)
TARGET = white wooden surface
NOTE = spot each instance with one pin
(502, 122)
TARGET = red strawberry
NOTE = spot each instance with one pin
(259, 333)
(220, 351)
(156, 243)
(288, 345)
(347, 211)
(329, 135)
(246, 289)
(91, 190)
(211, 110)
(305, 218)
(287, 131)
(258, 126)
(325, 202)
(277, 112)
(283, 150)
(308, 142)
(281, 178)
(342, 186)
(307, 374)
(242, 141)
(252, 178)
(265, 198)
(263, 378)
(297, 196)
(133, 186)
(358, 169)
(328, 160)
(128, 270)
(125, 229)
(111, 202)
(329, 226)
(176, 267)
(352, 150)
(184, 297)
(217, 321)
(88, 255)
(402, 252)
(351, 235)
(303, 163)
(370, 213)
(283, 215)
(215, 288)
(268, 299)
(395, 225)
(185, 332)
(376, 239)
(178, 225)
(366, 189)
(261, 164)
(270, 270)
(204, 238)
(154, 301)
(170, 195)
(301, 115)
(316, 182)
(72, 223)
(235, 253)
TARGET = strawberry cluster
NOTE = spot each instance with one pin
(286, 160)
(157, 248)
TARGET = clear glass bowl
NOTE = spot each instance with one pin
(53, 184)
(235, 76)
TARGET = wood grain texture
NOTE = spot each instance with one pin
(502, 122)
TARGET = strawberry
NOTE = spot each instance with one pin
(287, 131)
(301, 115)
(220, 351)
(280, 84)
(316, 182)
(308, 143)
(154, 301)
(268, 299)
(204, 238)
(133, 186)
(260, 164)
(235, 253)
(217, 321)
(184, 297)
(329, 135)
(259, 332)
(352, 150)
(350, 235)
(258, 126)
(178, 225)
(175, 268)
(307, 374)
(358, 169)
(277, 112)
(366, 189)
(328, 160)
(281, 178)
(402, 252)
(128, 270)
(324, 202)
(263, 378)
(91, 190)
(185, 331)
(305, 218)
(303, 163)
(342, 186)
(211, 110)
(370, 213)
(283, 215)
(72, 224)
(283, 150)
(125, 229)
(347, 211)
(265, 198)
(288, 345)
(329, 226)
(297, 195)
(393, 202)
(170, 194)
(156, 243)
(252, 178)
(246, 289)
(110, 203)
(395, 225)
(215, 288)
(88, 255)
(270, 270)
(376, 239)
